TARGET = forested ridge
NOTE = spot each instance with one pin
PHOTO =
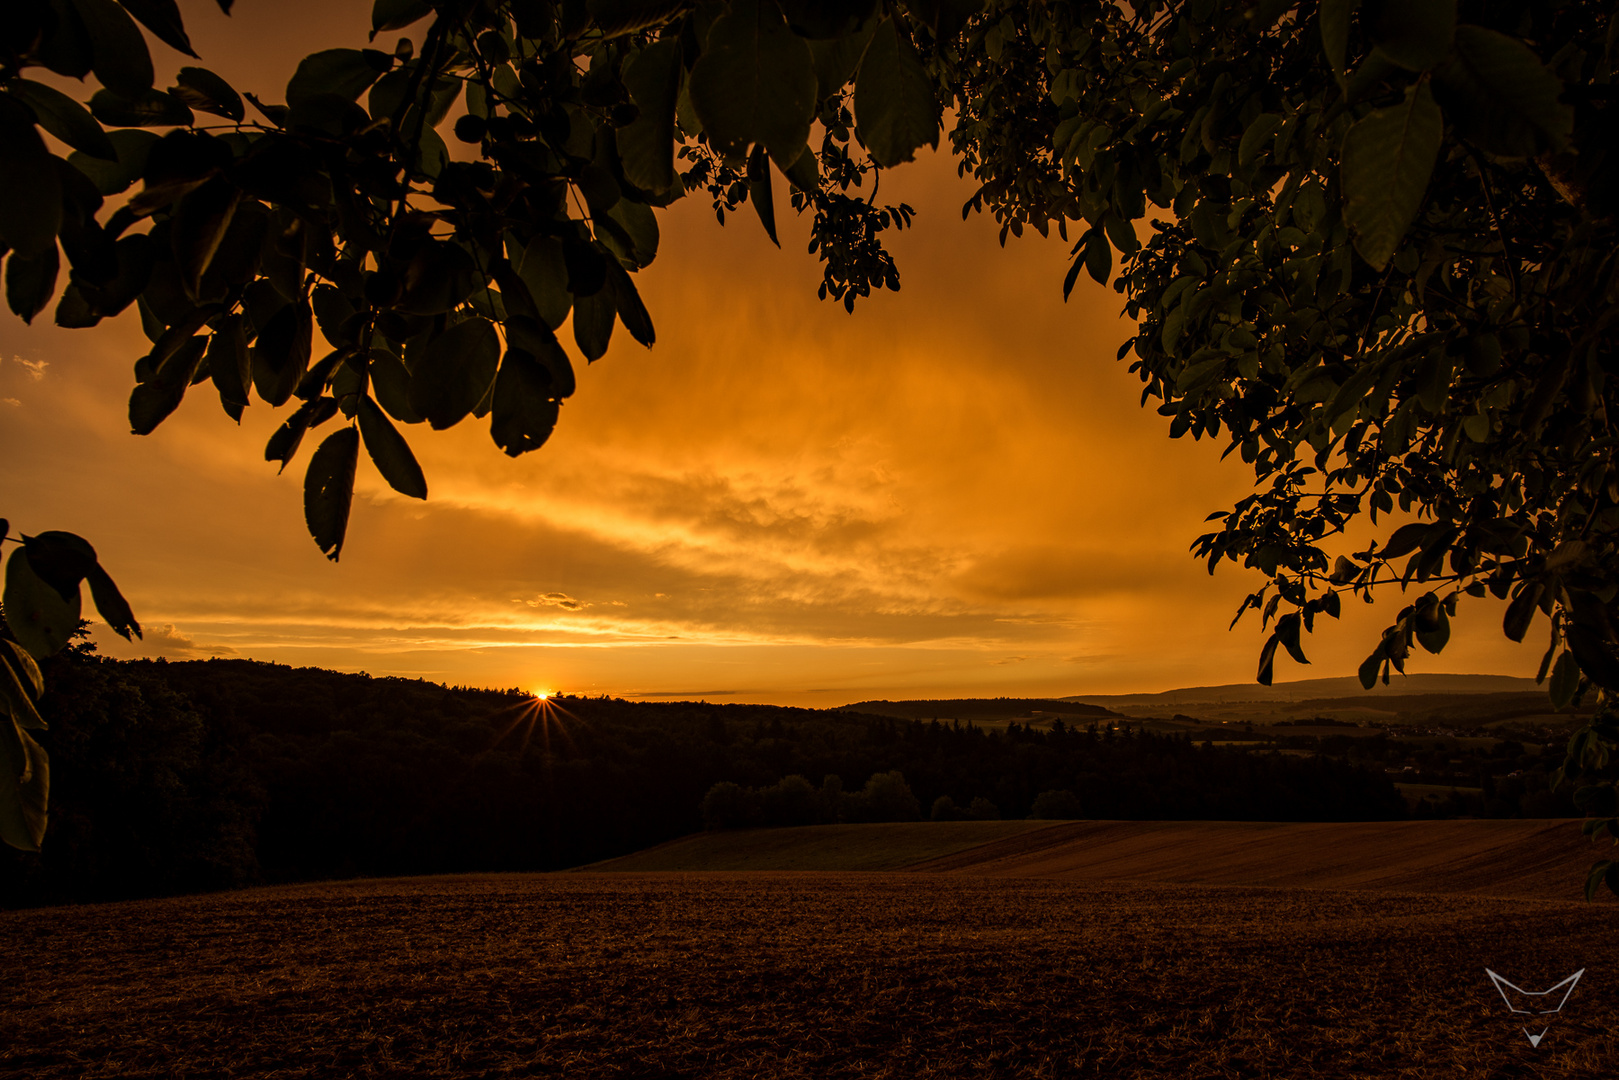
(175, 777)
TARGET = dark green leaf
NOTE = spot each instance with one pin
(894, 102)
(759, 192)
(283, 445)
(1565, 680)
(1521, 612)
(206, 92)
(281, 355)
(30, 188)
(1502, 97)
(525, 406)
(39, 617)
(837, 58)
(122, 61)
(111, 603)
(1260, 134)
(755, 83)
(390, 381)
(198, 226)
(230, 365)
(1267, 661)
(16, 703)
(31, 281)
(131, 147)
(647, 145)
(455, 372)
(27, 671)
(344, 73)
(162, 18)
(1369, 666)
(397, 14)
(593, 318)
(627, 302)
(25, 784)
(65, 118)
(545, 272)
(329, 490)
(390, 452)
(151, 402)
(1098, 256)
(1406, 539)
(1388, 157)
(1335, 15)
(1416, 34)
(153, 108)
(615, 18)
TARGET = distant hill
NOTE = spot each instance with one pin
(977, 708)
(1311, 689)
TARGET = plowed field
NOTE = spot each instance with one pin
(802, 975)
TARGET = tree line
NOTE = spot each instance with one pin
(188, 776)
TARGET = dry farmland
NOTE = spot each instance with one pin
(800, 975)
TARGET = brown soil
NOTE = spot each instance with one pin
(1545, 859)
(801, 975)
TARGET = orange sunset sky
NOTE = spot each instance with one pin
(951, 492)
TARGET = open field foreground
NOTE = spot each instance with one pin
(1541, 859)
(800, 975)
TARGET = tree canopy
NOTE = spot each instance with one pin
(1368, 244)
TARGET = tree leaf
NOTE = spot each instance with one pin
(627, 303)
(390, 452)
(1521, 612)
(283, 445)
(593, 318)
(30, 188)
(1499, 93)
(329, 490)
(230, 366)
(1388, 156)
(1416, 34)
(344, 73)
(27, 671)
(31, 281)
(121, 60)
(397, 14)
(281, 354)
(894, 104)
(455, 372)
(25, 784)
(130, 147)
(390, 381)
(162, 18)
(39, 617)
(1335, 15)
(543, 269)
(755, 83)
(206, 92)
(646, 146)
(152, 108)
(1260, 133)
(836, 59)
(16, 704)
(151, 402)
(760, 193)
(525, 408)
(111, 603)
(1565, 680)
(63, 117)
(198, 226)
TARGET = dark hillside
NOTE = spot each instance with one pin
(174, 777)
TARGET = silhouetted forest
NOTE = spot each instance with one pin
(175, 777)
